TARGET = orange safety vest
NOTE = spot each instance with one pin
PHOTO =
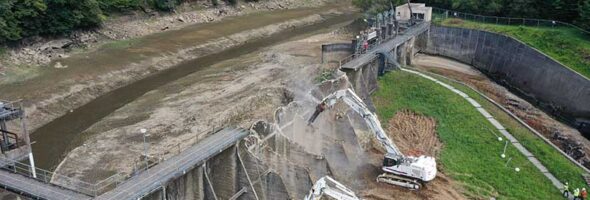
(584, 194)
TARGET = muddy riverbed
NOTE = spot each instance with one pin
(67, 97)
(238, 91)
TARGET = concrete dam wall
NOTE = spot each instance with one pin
(335, 52)
(512, 63)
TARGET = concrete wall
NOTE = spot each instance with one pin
(527, 71)
(403, 12)
(229, 173)
(335, 52)
(364, 80)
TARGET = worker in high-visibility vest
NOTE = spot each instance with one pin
(577, 194)
(584, 194)
(566, 190)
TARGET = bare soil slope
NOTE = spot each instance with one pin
(415, 134)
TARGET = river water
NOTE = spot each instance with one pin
(55, 139)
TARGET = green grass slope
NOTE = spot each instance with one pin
(471, 152)
(555, 162)
(566, 45)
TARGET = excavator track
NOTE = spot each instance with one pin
(392, 179)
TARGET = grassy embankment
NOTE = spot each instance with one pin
(567, 45)
(555, 162)
(471, 152)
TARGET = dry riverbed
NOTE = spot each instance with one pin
(239, 91)
(54, 91)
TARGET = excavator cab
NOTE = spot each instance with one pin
(391, 160)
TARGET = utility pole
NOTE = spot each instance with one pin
(145, 146)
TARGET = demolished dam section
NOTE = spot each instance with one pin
(528, 72)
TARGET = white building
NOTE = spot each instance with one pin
(419, 10)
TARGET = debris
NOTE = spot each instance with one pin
(414, 133)
(58, 65)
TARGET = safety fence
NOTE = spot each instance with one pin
(370, 47)
(439, 14)
(44, 176)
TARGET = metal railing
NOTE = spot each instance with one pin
(12, 141)
(97, 188)
(369, 48)
(439, 14)
(44, 176)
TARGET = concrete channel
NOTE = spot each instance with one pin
(526, 71)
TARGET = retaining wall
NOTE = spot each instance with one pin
(510, 62)
(227, 176)
(335, 52)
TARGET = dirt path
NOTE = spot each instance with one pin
(567, 138)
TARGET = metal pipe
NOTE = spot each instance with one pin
(145, 147)
(28, 142)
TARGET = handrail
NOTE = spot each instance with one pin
(10, 135)
(44, 176)
(502, 20)
(371, 46)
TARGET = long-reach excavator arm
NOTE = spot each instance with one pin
(331, 188)
(401, 170)
(357, 104)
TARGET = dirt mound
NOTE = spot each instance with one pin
(414, 134)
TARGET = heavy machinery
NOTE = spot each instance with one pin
(330, 188)
(399, 169)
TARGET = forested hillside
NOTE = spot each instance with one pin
(24, 18)
(573, 11)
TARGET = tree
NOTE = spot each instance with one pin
(376, 6)
(16, 17)
(584, 14)
(165, 5)
(62, 16)
(119, 5)
(232, 2)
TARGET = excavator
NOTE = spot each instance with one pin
(401, 170)
(330, 188)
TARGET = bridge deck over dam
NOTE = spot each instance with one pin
(157, 176)
(139, 185)
(387, 46)
(37, 189)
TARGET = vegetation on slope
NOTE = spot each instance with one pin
(471, 152)
(556, 163)
(572, 11)
(25, 18)
(566, 45)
